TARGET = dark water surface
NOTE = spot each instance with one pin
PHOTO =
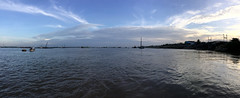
(124, 73)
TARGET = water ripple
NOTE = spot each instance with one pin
(108, 73)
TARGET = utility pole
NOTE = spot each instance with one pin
(224, 37)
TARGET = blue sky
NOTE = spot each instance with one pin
(115, 22)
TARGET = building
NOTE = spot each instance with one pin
(190, 42)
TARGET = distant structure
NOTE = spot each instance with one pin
(224, 37)
(190, 42)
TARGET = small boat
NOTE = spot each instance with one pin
(32, 49)
(24, 50)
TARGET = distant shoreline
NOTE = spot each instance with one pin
(232, 47)
(58, 47)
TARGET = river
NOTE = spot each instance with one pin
(118, 73)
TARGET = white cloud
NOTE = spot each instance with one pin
(234, 1)
(235, 27)
(69, 14)
(140, 20)
(47, 39)
(55, 26)
(130, 35)
(193, 12)
(79, 32)
(217, 4)
(184, 19)
(126, 35)
(18, 7)
(58, 12)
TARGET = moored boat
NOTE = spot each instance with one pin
(24, 50)
(32, 49)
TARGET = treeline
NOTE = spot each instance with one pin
(232, 47)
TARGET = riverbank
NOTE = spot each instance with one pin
(232, 47)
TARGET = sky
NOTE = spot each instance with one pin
(116, 22)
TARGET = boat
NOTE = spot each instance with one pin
(141, 47)
(32, 49)
(24, 50)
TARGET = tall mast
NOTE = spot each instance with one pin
(141, 42)
(46, 44)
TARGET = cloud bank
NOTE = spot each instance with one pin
(120, 36)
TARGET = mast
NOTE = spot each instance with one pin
(141, 47)
(46, 44)
(141, 42)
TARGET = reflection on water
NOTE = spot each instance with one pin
(235, 59)
(229, 60)
(112, 73)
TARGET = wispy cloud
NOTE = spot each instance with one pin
(217, 4)
(18, 7)
(234, 1)
(185, 19)
(140, 20)
(153, 11)
(193, 12)
(58, 12)
(69, 14)
(54, 26)
(79, 32)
